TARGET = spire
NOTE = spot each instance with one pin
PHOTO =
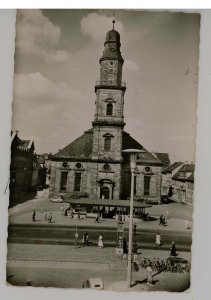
(113, 21)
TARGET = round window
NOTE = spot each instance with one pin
(106, 167)
(147, 169)
(65, 164)
(78, 166)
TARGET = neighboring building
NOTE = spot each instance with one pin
(164, 157)
(26, 174)
(167, 174)
(94, 165)
(183, 184)
(21, 167)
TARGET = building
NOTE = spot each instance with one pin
(167, 174)
(25, 172)
(94, 166)
(183, 184)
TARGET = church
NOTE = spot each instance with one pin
(94, 166)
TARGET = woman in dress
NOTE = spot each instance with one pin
(157, 239)
(100, 241)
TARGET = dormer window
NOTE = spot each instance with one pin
(109, 109)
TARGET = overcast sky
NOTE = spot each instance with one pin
(57, 64)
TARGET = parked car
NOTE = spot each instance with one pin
(57, 199)
(93, 283)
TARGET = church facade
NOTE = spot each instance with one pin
(94, 165)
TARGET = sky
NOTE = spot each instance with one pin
(57, 63)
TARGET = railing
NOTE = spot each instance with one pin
(103, 83)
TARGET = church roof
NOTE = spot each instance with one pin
(81, 148)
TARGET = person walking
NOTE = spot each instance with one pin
(134, 229)
(33, 215)
(149, 275)
(62, 210)
(161, 220)
(100, 241)
(50, 218)
(173, 250)
(45, 215)
(158, 239)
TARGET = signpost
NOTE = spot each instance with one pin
(120, 237)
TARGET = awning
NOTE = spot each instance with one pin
(106, 202)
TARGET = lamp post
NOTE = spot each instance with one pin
(133, 154)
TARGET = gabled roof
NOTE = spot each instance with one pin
(185, 173)
(164, 157)
(187, 168)
(172, 167)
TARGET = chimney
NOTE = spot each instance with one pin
(17, 131)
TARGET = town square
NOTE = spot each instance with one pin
(102, 209)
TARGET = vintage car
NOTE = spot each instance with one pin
(93, 283)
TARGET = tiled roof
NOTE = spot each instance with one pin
(172, 167)
(81, 148)
(185, 173)
(164, 157)
(129, 143)
(191, 178)
(188, 168)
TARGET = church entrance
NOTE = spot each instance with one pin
(105, 193)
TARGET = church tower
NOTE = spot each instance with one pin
(108, 121)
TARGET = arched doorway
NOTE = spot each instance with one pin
(105, 193)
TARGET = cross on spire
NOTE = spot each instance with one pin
(113, 21)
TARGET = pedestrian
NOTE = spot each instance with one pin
(68, 214)
(134, 229)
(161, 220)
(158, 239)
(165, 221)
(79, 215)
(149, 275)
(86, 239)
(50, 218)
(45, 215)
(173, 250)
(100, 241)
(62, 210)
(72, 213)
(33, 215)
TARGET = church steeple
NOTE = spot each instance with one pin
(109, 119)
(111, 61)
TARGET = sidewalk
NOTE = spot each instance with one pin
(63, 253)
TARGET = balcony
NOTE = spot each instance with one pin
(103, 84)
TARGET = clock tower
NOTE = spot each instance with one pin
(108, 121)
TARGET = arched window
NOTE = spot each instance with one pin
(107, 144)
(109, 109)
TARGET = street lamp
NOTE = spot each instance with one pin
(133, 154)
